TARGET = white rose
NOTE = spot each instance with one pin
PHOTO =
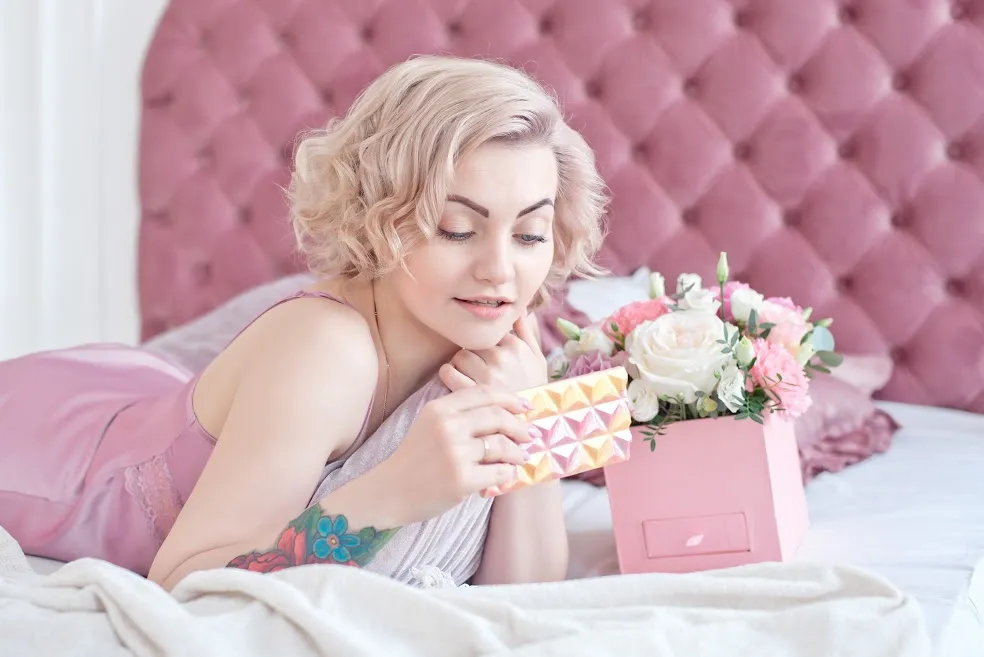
(590, 341)
(688, 280)
(643, 400)
(699, 299)
(731, 388)
(678, 354)
(743, 302)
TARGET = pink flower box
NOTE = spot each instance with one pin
(714, 493)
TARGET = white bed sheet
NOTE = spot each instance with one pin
(914, 515)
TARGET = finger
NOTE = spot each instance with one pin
(491, 420)
(469, 363)
(454, 379)
(509, 341)
(500, 450)
(495, 474)
(524, 331)
(482, 396)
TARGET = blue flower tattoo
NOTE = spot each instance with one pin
(334, 540)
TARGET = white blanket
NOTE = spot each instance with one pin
(90, 607)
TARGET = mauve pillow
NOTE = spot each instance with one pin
(195, 343)
(841, 428)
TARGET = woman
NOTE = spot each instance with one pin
(438, 213)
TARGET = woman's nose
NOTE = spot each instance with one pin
(494, 264)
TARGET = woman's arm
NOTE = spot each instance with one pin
(527, 539)
(309, 376)
(527, 535)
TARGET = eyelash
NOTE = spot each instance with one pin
(525, 240)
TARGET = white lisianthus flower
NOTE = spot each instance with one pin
(557, 365)
(678, 354)
(700, 300)
(591, 340)
(692, 281)
(743, 302)
(731, 387)
(643, 401)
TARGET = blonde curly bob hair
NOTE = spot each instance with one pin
(371, 186)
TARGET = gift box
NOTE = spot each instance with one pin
(584, 422)
(713, 493)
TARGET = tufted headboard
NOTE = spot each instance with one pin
(835, 150)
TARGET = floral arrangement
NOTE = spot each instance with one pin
(704, 352)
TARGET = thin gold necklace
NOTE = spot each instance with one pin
(382, 347)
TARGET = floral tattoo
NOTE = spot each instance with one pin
(315, 538)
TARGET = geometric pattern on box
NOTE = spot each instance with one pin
(585, 425)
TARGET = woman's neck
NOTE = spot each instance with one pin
(414, 351)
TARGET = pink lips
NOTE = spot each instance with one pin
(485, 310)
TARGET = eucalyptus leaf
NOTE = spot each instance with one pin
(822, 339)
(831, 358)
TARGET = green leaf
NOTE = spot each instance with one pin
(767, 325)
(822, 339)
(765, 334)
(831, 358)
(752, 320)
(820, 368)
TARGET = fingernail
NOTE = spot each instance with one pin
(526, 403)
(535, 433)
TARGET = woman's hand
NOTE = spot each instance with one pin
(460, 444)
(516, 363)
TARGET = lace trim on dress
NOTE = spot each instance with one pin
(151, 486)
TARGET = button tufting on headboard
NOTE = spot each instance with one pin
(835, 148)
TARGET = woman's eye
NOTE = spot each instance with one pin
(453, 236)
(531, 240)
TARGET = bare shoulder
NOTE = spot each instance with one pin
(308, 353)
(301, 379)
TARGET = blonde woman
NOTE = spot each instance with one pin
(357, 421)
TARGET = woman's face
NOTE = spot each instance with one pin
(493, 248)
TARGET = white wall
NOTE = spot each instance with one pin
(69, 116)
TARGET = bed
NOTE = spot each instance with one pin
(835, 150)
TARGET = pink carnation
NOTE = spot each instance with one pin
(594, 362)
(729, 289)
(630, 316)
(787, 303)
(790, 327)
(773, 362)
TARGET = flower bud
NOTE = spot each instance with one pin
(805, 353)
(722, 270)
(568, 329)
(657, 285)
(745, 351)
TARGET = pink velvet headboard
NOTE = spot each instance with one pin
(834, 149)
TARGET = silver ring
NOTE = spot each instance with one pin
(485, 444)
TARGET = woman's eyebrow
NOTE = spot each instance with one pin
(454, 198)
